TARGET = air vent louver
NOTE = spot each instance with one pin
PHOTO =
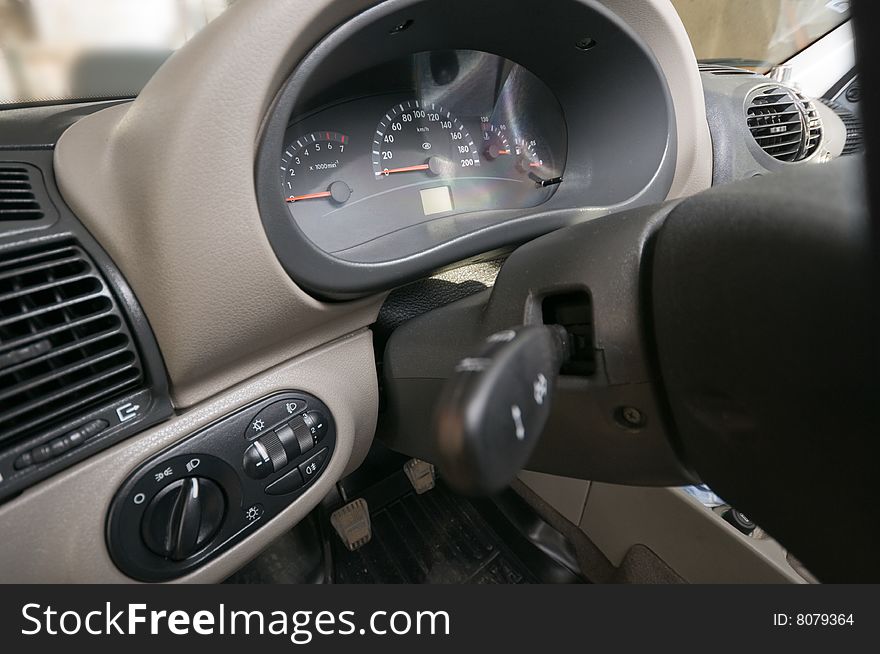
(855, 133)
(784, 123)
(63, 345)
(17, 199)
(722, 70)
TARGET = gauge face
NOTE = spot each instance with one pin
(396, 161)
(311, 169)
(518, 157)
(415, 139)
(495, 143)
(530, 163)
(527, 154)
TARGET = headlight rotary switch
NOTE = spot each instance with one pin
(273, 451)
(183, 517)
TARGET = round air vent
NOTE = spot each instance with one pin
(784, 123)
(855, 132)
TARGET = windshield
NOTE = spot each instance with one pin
(62, 50)
(757, 34)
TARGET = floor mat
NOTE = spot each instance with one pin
(436, 537)
(641, 566)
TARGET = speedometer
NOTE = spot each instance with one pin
(422, 138)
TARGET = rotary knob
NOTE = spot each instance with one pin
(183, 517)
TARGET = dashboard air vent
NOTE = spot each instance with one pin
(855, 133)
(784, 123)
(722, 70)
(63, 344)
(17, 199)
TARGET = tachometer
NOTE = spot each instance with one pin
(311, 168)
(422, 139)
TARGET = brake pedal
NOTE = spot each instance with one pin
(421, 475)
(352, 524)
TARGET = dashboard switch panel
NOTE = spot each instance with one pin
(209, 491)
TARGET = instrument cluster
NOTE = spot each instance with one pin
(473, 132)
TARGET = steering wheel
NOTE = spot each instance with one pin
(733, 342)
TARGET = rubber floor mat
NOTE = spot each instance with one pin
(437, 537)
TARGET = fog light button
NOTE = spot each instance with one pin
(311, 468)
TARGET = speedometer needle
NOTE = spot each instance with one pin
(405, 169)
(308, 196)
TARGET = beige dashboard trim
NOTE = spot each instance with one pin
(693, 540)
(54, 532)
(166, 185)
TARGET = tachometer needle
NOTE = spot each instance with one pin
(308, 196)
(405, 169)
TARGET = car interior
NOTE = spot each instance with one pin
(411, 291)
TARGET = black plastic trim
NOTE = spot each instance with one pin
(841, 84)
(152, 399)
(39, 126)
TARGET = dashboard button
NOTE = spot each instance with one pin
(256, 462)
(264, 456)
(60, 445)
(287, 484)
(41, 453)
(76, 437)
(311, 468)
(288, 440)
(303, 435)
(295, 437)
(273, 415)
(93, 428)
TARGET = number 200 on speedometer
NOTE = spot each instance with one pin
(416, 138)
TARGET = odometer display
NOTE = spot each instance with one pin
(416, 138)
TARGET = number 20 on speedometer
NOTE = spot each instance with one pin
(422, 139)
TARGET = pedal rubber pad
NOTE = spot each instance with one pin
(421, 475)
(352, 524)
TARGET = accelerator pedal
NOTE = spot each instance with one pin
(421, 475)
